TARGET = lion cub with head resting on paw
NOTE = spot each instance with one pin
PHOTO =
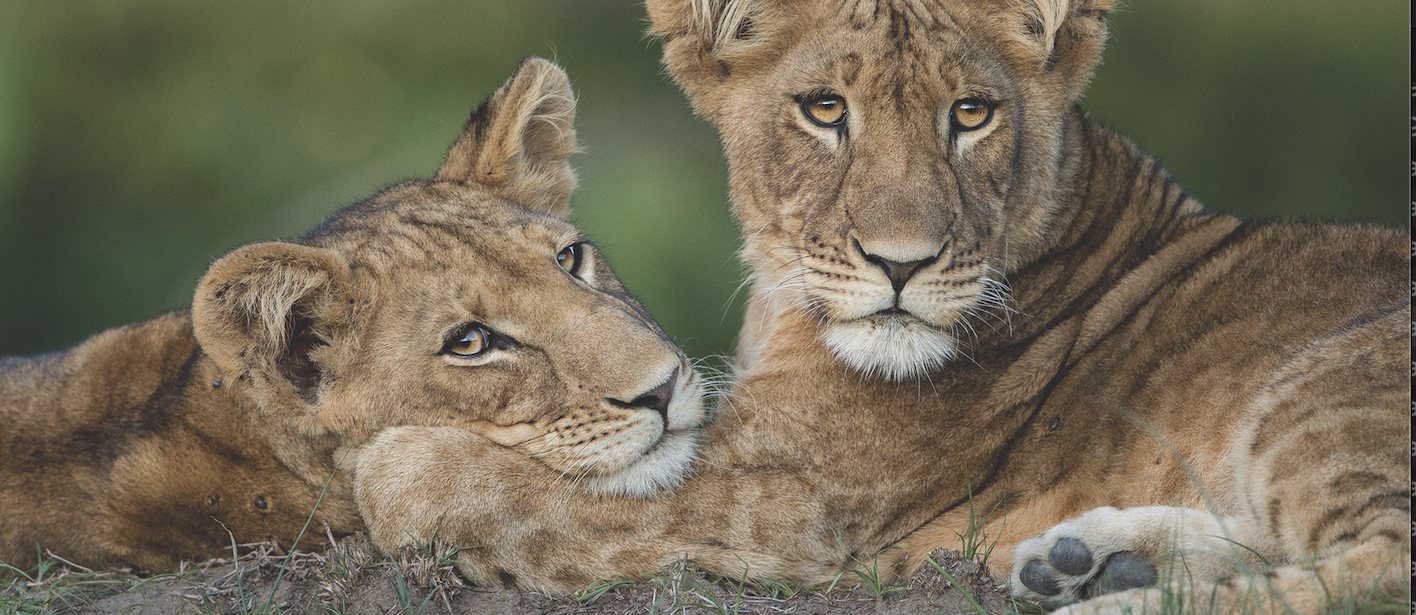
(465, 300)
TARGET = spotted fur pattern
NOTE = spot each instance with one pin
(144, 445)
(1077, 332)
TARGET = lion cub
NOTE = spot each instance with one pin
(465, 300)
(970, 302)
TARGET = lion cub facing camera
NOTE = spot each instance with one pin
(969, 297)
(465, 300)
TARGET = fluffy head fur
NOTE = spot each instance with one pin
(294, 353)
(827, 209)
(345, 333)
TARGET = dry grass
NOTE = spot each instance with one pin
(349, 577)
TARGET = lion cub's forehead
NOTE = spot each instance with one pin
(895, 49)
(431, 230)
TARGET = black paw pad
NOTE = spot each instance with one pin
(1071, 556)
(1036, 576)
(1122, 571)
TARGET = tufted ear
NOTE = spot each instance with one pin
(1065, 37)
(517, 141)
(706, 40)
(694, 32)
(265, 312)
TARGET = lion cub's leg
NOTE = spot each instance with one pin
(1321, 491)
(1342, 583)
(1000, 533)
(518, 522)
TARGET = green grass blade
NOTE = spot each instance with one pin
(978, 608)
(289, 553)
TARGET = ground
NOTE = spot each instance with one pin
(351, 578)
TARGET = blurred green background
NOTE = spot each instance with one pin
(141, 139)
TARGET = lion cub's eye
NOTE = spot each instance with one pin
(474, 341)
(569, 259)
(828, 110)
(970, 114)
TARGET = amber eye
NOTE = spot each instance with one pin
(474, 341)
(569, 259)
(971, 114)
(828, 110)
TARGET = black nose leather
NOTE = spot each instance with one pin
(656, 399)
(899, 273)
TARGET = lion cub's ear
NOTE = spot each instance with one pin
(517, 141)
(265, 312)
(1065, 38)
(698, 37)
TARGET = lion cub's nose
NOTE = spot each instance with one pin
(656, 399)
(899, 272)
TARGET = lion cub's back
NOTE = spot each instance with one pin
(67, 416)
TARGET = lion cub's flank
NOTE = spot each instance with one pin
(465, 300)
(968, 296)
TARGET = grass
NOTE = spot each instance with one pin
(974, 537)
(600, 588)
(349, 578)
(405, 595)
(422, 582)
(56, 586)
(739, 590)
(870, 578)
(978, 608)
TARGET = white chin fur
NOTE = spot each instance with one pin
(893, 349)
(659, 469)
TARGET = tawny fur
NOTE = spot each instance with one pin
(1118, 344)
(146, 444)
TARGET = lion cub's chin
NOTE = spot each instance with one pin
(891, 347)
(662, 467)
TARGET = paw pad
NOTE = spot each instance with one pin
(1122, 571)
(1071, 556)
(1037, 577)
(1070, 568)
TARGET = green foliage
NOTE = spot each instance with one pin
(141, 139)
(600, 588)
(408, 604)
(978, 608)
(711, 603)
(975, 544)
(56, 586)
(870, 578)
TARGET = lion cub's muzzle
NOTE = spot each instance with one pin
(614, 446)
(892, 311)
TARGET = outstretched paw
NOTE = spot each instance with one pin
(1104, 551)
(1070, 573)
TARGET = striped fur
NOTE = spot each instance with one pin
(1110, 341)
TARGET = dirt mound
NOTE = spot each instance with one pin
(350, 578)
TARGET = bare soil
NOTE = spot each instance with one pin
(350, 577)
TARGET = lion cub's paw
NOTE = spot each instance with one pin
(1108, 550)
(1070, 573)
